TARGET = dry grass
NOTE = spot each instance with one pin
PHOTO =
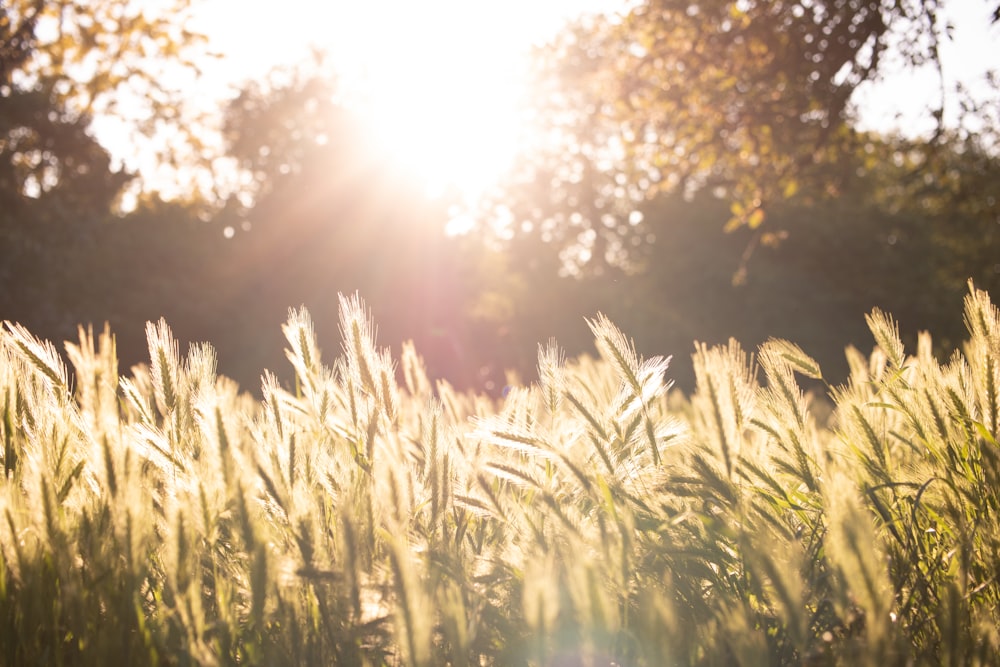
(594, 518)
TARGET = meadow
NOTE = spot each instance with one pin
(370, 515)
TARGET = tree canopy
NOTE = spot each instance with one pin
(122, 62)
(749, 100)
(65, 259)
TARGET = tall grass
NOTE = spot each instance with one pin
(370, 516)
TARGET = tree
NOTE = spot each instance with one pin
(746, 99)
(63, 259)
(120, 60)
(328, 213)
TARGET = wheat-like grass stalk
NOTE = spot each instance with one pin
(591, 516)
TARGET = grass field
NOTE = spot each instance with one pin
(371, 516)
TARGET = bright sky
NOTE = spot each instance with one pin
(440, 79)
(901, 100)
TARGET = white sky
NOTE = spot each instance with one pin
(901, 100)
(255, 37)
(439, 78)
(451, 68)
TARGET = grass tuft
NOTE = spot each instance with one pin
(164, 518)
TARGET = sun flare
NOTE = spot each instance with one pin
(439, 83)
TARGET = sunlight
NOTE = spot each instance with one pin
(439, 85)
(439, 82)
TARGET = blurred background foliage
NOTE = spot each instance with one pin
(703, 179)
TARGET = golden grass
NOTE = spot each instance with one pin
(592, 518)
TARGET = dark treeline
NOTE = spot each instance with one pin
(340, 221)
